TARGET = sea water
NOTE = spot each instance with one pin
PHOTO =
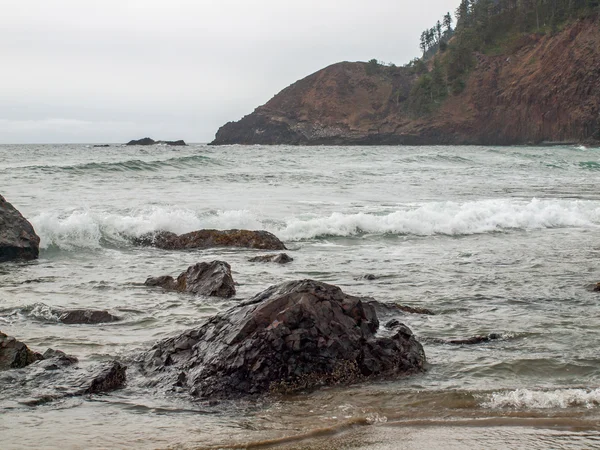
(493, 240)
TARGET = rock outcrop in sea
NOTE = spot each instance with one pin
(295, 335)
(212, 238)
(546, 89)
(211, 279)
(18, 239)
(149, 141)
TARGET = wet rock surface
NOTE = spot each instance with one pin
(15, 354)
(212, 238)
(295, 335)
(35, 379)
(18, 239)
(281, 258)
(85, 316)
(211, 279)
(593, 287)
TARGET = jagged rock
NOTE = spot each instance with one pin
(143, 141)
(281, 258)
(212, 238)
(85, 316)
(211, 279)
(15, 354)
(108, 377)
(180, 142)
(17, 236)
(295, 335)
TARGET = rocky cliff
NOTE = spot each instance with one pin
(546, 89)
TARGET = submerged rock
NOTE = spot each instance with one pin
(391, 308)
(281, 258)
(593, 287)
(15, 354)
(17, 236)
(85, 316)
(211, 279)
(212, 238)
(295, 335)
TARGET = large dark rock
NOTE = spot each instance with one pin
(296, 335)
(143, 141)
(17, 237)
(85, 316)
(280, 258)
(212, 279)
(15, 354)
(212, 238)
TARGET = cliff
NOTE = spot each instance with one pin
(546, 89)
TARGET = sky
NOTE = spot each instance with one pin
(95, 71)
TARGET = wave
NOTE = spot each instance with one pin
(95, 229)
(450, 218)
(131, 165)
(536, 399)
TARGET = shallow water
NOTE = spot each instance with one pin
(500, 240)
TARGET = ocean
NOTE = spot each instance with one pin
(491, 239)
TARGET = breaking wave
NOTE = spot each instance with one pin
(553, 399)
(94, 229)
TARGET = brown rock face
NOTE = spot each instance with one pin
(213, 238)
(14, 354)
(211, 279)
(545, 90)
(17, 237)
(296, 335)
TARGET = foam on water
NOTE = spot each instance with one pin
(534, 399)
(92, 228)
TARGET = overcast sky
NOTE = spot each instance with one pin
(114, 70)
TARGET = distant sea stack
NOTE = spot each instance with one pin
(149, 141)
(544, 88)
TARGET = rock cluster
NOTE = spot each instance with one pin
(17, 236)
(295, 335)
(211, 279)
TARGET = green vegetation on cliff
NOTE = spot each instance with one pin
(491, 27)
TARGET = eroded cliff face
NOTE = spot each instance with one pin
(546, 90)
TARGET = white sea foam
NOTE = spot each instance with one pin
(451, 218)
(91, 228)
(533, 399)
